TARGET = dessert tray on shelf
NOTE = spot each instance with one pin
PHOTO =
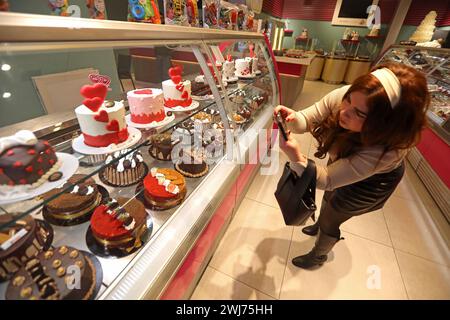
(68, 167)
(79, 146)
(249, 76)
(154, 124)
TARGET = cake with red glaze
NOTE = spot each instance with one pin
(101, 122)
(177, 93)
(119, 224)
(146, 105)
(164, 188)
(25, 162)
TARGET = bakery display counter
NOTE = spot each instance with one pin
(117, 180)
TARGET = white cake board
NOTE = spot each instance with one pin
(233, 79)
(154, 124)
(79, 146)
(194, 105)
(68, 167)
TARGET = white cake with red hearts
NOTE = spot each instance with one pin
(177, 93)
(146, 105)
(102, 123)
(243, 67)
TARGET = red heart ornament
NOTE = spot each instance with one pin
(180, 87)
(113, 126)
(185, 95)
(179, 70)
(174, 72)
(176, 79)
(94, 104)
(97, 90)
(102, 116)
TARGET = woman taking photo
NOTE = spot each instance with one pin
(366, 129)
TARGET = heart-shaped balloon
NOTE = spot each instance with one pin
(176, 79)
(102, 116)
(94, 104)
(113, 125)
(96, 90)
(185, 95)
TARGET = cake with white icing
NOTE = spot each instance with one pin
(243, 67)
(228, 70)
(102, 122)
(146, 105)
(124, 168)
(177, 93)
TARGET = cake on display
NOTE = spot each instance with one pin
(243, 67)
(125, 171)
(161, 146)
(75, 205)
(21, 241)
(52, 275)
(25, 162)
(191, 162)
(228, 70)
(102, 122)
(146, 105)
(164, 188)
(119, 224)
(254, 65)
(177, 93)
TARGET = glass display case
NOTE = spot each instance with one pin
(435, 64)
(118, 215)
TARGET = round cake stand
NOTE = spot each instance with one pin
(154, 124)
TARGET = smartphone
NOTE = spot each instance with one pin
(282, 125)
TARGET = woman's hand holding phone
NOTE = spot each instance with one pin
(287, 114)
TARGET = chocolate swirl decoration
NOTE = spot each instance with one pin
(130, 161)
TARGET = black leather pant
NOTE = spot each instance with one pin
(358, 198)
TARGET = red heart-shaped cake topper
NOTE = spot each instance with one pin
(98, 90)
(185, 95)
(176, 79)
(113, 125)
(94, 104)
(143, 91)
(102, 116)
(174, 72)
(180, 87)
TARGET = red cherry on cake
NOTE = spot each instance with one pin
(10, 153)
(113, 126)
(17, 164)
(102, 116)
(31, 152)
(29, 169)
(97, 90)
(94, 104)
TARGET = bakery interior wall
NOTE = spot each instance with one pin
(316, 16)
(23, 101)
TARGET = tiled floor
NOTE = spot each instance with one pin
(393, 253)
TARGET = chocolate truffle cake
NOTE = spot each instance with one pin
(200, 89)
(125, 171)
(119, 224)
(191, 163)
(161, 146)
(20, 242)
(52, 275)
(25, 162)
(75, 205)
(164, 188)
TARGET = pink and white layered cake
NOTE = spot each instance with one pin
(146, 105)
(177, 93)
(101, 122)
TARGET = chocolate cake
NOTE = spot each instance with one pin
(164, 188)
(52, 275)
(20, 242)
(161, 146)
(126, 171)
(75, 205)
(200, 89)
(119, 224)
(25, 162)
(191, 163)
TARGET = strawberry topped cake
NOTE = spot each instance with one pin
(102, 122)
(146, 105)
(177, 93)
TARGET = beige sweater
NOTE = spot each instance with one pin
(344, 171)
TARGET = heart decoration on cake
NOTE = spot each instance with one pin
(113, 126)
(97, 90)
(102, 116)
(175, 74)
(185, 95)
(94, 104)
(176, 79)
(180, 87)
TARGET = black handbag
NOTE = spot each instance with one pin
(296, 196)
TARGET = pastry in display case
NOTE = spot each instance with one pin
(160, 142)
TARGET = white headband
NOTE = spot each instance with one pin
(390, 83)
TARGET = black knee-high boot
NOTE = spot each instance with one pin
(311, 230)
(318, 255)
